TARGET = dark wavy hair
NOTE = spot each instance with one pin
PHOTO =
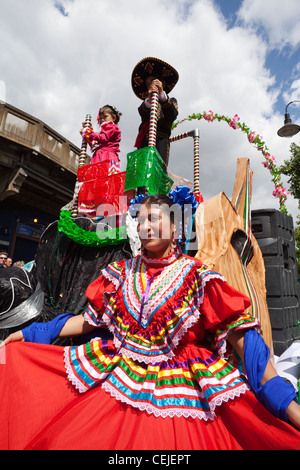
(112, 111)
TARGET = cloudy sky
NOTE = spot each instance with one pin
(62, 59)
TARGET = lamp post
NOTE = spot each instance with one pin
(288, 129)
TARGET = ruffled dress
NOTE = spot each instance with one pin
(166, 380)
(105, 161)
(104, 144)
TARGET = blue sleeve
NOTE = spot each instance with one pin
(275, 394)
(256, 356)
(45, 332)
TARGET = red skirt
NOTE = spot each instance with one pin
(41, 410)
(102, 155)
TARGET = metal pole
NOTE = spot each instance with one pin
(82, 160)
(196, 163)
(153, 120)
(195, 135)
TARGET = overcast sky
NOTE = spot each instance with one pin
(63, 59)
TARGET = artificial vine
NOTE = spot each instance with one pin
(270, 162)
(68, 227)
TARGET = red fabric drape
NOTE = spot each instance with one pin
(41, 410)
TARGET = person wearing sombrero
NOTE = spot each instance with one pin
(154, 75)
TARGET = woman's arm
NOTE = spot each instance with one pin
(237, 340)
(75, 326)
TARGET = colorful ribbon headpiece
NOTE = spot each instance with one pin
(134, 204)
(181, 195)
(184, 197)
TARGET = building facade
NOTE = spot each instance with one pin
(38, 169)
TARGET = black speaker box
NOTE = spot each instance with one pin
(274, 232)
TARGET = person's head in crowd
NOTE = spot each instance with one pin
(3, 259)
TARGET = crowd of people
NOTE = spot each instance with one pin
(7, 262)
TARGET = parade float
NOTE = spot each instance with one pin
(74, 249)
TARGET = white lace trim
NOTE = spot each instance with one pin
(70, 375)
(178, 412)
(205, 280)
(116, 282)
(88, 319)
(162, 261)
(222, 350)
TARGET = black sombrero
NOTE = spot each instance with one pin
(152, 67)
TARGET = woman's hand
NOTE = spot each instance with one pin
(16, 336)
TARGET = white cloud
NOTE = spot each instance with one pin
(294, 92)
(61, 62)
(280, 20)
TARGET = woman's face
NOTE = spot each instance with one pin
(155, 230)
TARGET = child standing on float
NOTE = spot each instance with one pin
(105, 144)
(105, 160)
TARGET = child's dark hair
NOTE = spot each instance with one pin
(112, 111)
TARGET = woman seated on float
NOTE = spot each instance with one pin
(176, 327)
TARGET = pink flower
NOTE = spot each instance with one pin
(252, 137)
(270, 161)
(234, 122)
(280, 192)
(209, 116)
(271, 158)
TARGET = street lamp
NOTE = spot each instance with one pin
(288, 129)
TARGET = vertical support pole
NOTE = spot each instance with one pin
(81, 162)
(196, 163)
(82, 156)
(153, 120)
(195, 135)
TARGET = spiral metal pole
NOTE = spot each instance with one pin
(180, 136)
(153, 120)
(82, 160)
(195, 135)
(196, 163)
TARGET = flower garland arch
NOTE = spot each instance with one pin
(270, 162)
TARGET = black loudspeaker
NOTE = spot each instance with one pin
(274, 233)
